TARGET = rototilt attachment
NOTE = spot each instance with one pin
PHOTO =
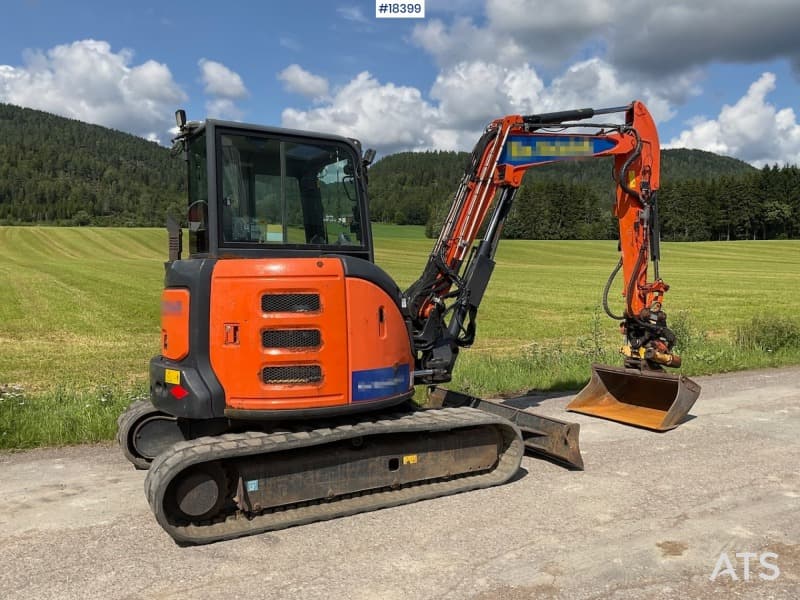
(648, 399)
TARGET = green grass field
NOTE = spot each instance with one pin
(79, 317)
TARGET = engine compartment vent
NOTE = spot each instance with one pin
(291, 339)
(292, 303)
(292, 374)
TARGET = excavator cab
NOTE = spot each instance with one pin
(274, 192)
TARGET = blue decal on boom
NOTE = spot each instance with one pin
(527, 150)
(375, 384)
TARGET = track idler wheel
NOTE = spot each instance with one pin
(198, 493)
(143, 432)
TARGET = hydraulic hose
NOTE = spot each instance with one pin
(631, 192)
(608, 288)
(632, 283)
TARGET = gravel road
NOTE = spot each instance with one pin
(650, 517)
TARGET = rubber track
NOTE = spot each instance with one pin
(235, 445)
(125, 422)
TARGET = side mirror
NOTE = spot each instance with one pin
(175, 236)
(180, 118)
(369, 156)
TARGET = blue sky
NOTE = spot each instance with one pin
(722, 75)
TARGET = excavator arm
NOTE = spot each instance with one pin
(442, 304)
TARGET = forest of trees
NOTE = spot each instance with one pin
(60, 171)
(703, 196)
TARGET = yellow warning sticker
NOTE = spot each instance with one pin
(410, 459)
(172, 376)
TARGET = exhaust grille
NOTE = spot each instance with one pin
(293, 374)
(291, 338)
(294, 303)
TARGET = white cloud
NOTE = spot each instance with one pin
(501, 91)
(670, 37)
(752, 129)
(549, 18)
(220, 81)
(539, 32)
(528, 56)
(224, 87)
(463, 41)
(595, 83)
(550, 32)
(463, 99)
(86, 80)
(223, 108)
(653, 40)
(352, 13)
(385, 116)
(299, 81)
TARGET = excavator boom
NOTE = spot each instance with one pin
(443, 303)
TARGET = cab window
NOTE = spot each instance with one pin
(281, 192)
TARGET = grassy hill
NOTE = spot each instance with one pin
(60, 171)
(702, 196)
(405, 185)
(79, 317)
(436, 167)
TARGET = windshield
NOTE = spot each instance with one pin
(282, 192)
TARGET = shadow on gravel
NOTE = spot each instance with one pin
(520, 474)
(534, 399)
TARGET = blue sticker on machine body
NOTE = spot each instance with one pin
(527, 150)
(375, 384)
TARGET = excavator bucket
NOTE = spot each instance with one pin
(652, 400)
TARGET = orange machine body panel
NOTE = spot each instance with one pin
(282, 356)
(380, 348)
(175, 323)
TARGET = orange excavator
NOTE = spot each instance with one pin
(283, 390)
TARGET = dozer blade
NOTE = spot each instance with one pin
(652, 400)
(552, 438)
